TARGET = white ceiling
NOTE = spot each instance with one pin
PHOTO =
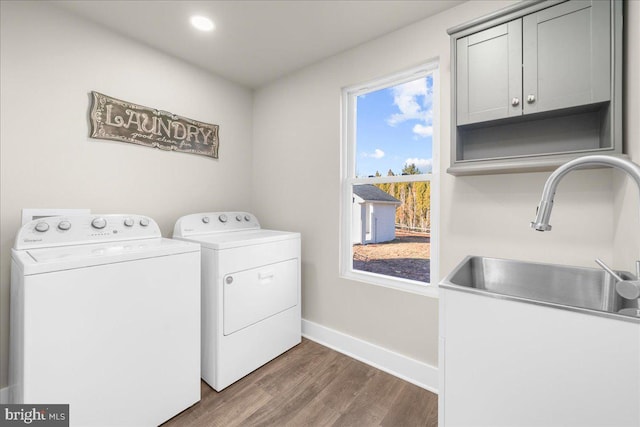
(256, 42)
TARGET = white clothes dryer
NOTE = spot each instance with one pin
(105, 317)
(250, 292)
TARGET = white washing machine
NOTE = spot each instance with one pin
(105, 317)
(250, 292)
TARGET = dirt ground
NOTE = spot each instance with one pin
(406, 256)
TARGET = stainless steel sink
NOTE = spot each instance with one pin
(574, 288)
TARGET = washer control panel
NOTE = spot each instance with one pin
(82, 229)
(214, 222)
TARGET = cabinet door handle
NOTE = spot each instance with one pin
(515, 102)
(531, 99)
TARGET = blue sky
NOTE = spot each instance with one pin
(395, 127)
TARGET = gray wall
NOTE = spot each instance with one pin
(280, 157)
(50, 62)
(296, 148)
(627, 203)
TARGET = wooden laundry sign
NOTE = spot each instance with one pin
(118, 120)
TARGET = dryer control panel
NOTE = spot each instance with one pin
(214, 222)
(82, 229)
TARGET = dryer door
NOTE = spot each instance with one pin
(253, 295)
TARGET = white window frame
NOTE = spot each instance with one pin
(348, 179)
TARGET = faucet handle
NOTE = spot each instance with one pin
(629, 289)
(606, 268)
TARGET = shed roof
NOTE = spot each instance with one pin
(371, 193)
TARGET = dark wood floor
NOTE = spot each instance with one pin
(312, 385)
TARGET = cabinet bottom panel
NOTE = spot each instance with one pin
(547, 134)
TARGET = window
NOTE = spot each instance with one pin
(389, 181)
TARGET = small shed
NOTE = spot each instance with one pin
(373, 215)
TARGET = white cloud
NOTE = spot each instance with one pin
(405, 98)
(414, 101)
(422, 130)
(377, 154)
(423, 164)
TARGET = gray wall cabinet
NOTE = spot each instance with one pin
(535, 85)
(489, 74)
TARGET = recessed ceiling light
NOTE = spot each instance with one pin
(202, 23)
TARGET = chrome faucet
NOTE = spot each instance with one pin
(627, 288)
(541, 223)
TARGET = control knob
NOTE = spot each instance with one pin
(247, 218)
(238, 218)
(144, 222)
(205, 219)
(128, 222)
(99, 223)
(64, 225)
(222, 218)
(42, 227)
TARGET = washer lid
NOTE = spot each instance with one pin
(45, 260)
(235, 239)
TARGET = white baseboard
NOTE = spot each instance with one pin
(419, 373)
(4, 395)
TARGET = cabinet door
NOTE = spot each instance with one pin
(566, 51)
(489, 74)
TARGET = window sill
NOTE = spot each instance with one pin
(429, 290)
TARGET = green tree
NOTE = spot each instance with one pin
(410, 169)
(415, 198)
(423, 204)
